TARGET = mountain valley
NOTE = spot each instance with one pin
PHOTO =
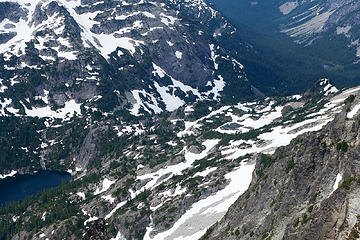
(175, 121)
(297, 41)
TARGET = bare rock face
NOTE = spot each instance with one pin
(88, 150)
(194, 149)
(98, 231)
(307, 190)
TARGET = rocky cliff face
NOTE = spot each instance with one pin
(306, 190)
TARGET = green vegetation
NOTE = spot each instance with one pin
(296, 222)
(264, 235)
(226, 138)
(347, 183)
(272, 203)
(281, 196)
(350, 99)
(342, 146)
(54, 201)
(290, 166)
(305, 218)
(208, 232)
(201, 108)
(355, 231)
(19, 142)
(354, 234)
(310, 208)
(266, 160)
(68, 139)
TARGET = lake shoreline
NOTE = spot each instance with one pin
(19, 186)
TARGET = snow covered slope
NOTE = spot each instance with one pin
(306, 21)
(173, 176)
(146, 55)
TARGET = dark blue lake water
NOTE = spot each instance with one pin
(20, 186)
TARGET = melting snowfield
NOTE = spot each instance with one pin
(314, 23)
(352, 113)
(105, 186)
(193, 224)
(70, 108)
(202, 214)
(190, 158)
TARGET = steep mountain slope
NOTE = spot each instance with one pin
(144, 55)
(307, 20)
(82, 61)
(150, 177)
(108, 91)
(298, 41)
(306, 190)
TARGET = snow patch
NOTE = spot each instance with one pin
(171, 170)
(213, 56)
(109, 198)
(327, 87)
(178, 54)
(106, 43)
(173, 192)
(119, 205)
(218, 86)
(206, 212)
(105, 186)
(171, 101)
(15, 218)
(205, 172)
(288, 7)
(91, 219)
(150, 105)
(11, 174)
(70, 109)
(167, 20)
(354, 111)
(43, 217)
(336, 183)
(119, 236)
(2, 87)
(81, 194)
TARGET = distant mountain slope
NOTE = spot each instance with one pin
(146, 56)
(307, 20)
(298, 41)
